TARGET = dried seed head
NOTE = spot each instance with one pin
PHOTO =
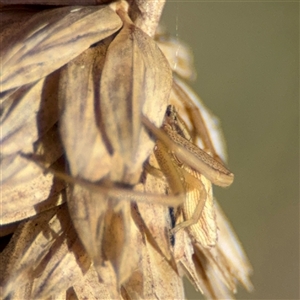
(77, 85)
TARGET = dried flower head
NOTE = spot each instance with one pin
(108, 160)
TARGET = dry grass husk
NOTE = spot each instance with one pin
(74, 83)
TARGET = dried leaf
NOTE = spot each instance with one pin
(121, 239)
(85, 148)
(183, 253)
(218, 266)
(38, 191)
(86, 152)
(108, 276)
(32, 53)
(156, 272)
(29, 245)
(28, 114)
(66, 259)
(213, 286)
(14, 18)
(155, 278)
(91, 288)
(156, 221)
(156, 217)
(32, 197)
(235, 260)
(17, 170)
(226, 264)
(88, 210)
(21, 115)
(136, 78)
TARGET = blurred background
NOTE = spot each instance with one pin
(247, 60)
